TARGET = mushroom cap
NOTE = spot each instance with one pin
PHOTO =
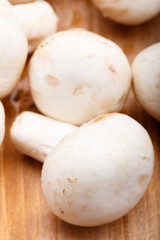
(99, 172)
(2, 123)
(128, 12)
(146, 79)
(13, 49)
(76, 75)
(38, 20)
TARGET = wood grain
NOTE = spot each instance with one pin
(23, 211)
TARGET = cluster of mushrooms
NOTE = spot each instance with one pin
(97, 162)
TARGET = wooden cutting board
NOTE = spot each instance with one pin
(23, 211)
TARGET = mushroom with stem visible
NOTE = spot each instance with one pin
(76, 75)
(146, 79)
(2, 123)
(38, 20)
(99, 172)
(96, 173)
(13, 48)
(128, 12)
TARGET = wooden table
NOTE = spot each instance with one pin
(23, 211)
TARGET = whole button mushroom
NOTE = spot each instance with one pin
(146, 79)
(35, 135)
(76, 75)
(13, 49)
(96, 173)
(128, 12)
(38, 20)
(99, 172)
(2, 123)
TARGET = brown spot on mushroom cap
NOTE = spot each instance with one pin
(145, 158)
(81, 89)
(77, 91)
(111, 68)
(69, 180)
(61, 211)
(51, 80)
(64, 191)
(72, 180)
(142, 179)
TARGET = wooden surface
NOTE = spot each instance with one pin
(23, 212)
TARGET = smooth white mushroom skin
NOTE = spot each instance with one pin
(35, 135)
(2, 123)
(13, 49)
(76, 75)
(146, 79)
(99, 172)
(38, 20)
(128, 12)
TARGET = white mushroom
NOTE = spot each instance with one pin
(36, 135)
(128, 12)
(13, 49)
(76, 75)
(146, 79)
(2, 123)
(38, 20)
(98, 172)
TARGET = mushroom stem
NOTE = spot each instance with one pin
(35, 135)
(38, 20)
